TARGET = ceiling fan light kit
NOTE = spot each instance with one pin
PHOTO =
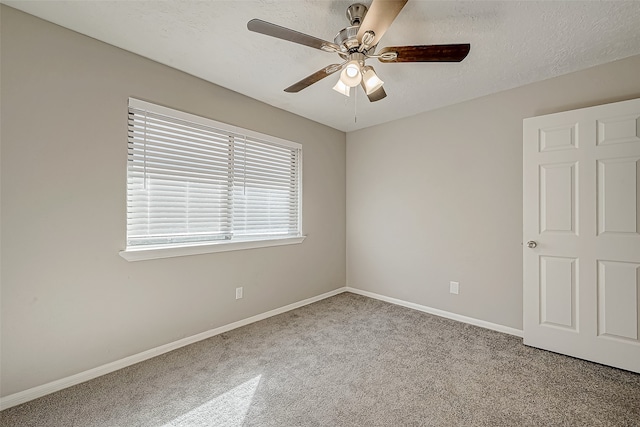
(357, 43)
(342, 88)
(371, 80)
(352, 74)
(352, 70)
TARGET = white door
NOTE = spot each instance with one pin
(582, 220)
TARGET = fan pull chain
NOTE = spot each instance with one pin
(355, 106)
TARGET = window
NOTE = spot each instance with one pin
(196, 183)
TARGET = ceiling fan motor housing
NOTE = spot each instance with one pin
(348, 37)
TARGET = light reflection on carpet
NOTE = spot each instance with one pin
(227, 410)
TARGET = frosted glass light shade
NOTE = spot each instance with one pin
(352, 70)
(371, 80)
(351, 75)
(342, 88)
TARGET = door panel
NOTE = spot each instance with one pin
(558, 290)
(561, 137)
(558, 198)
(581, 177)
(618, 299)
(619, 130)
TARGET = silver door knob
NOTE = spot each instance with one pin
(531, 244)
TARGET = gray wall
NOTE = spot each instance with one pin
(69, 302)
(438, 197)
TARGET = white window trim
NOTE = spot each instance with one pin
(151, 252)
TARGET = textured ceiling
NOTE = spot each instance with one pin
(512, 44)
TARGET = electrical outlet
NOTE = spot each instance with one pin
(454, 287)
(239, 292)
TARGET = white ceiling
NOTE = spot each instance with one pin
(512, 44)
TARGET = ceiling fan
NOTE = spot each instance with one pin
(357, 43)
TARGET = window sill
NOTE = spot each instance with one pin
(141, 254)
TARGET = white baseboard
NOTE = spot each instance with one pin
(42, 390)
(441, 313)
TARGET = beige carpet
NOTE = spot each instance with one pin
(348, 361)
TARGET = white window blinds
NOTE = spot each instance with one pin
(192, 180)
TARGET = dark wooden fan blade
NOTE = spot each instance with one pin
(379, 18)
(424, 53)
(273, 30)
(313, 78)
(375, 96)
